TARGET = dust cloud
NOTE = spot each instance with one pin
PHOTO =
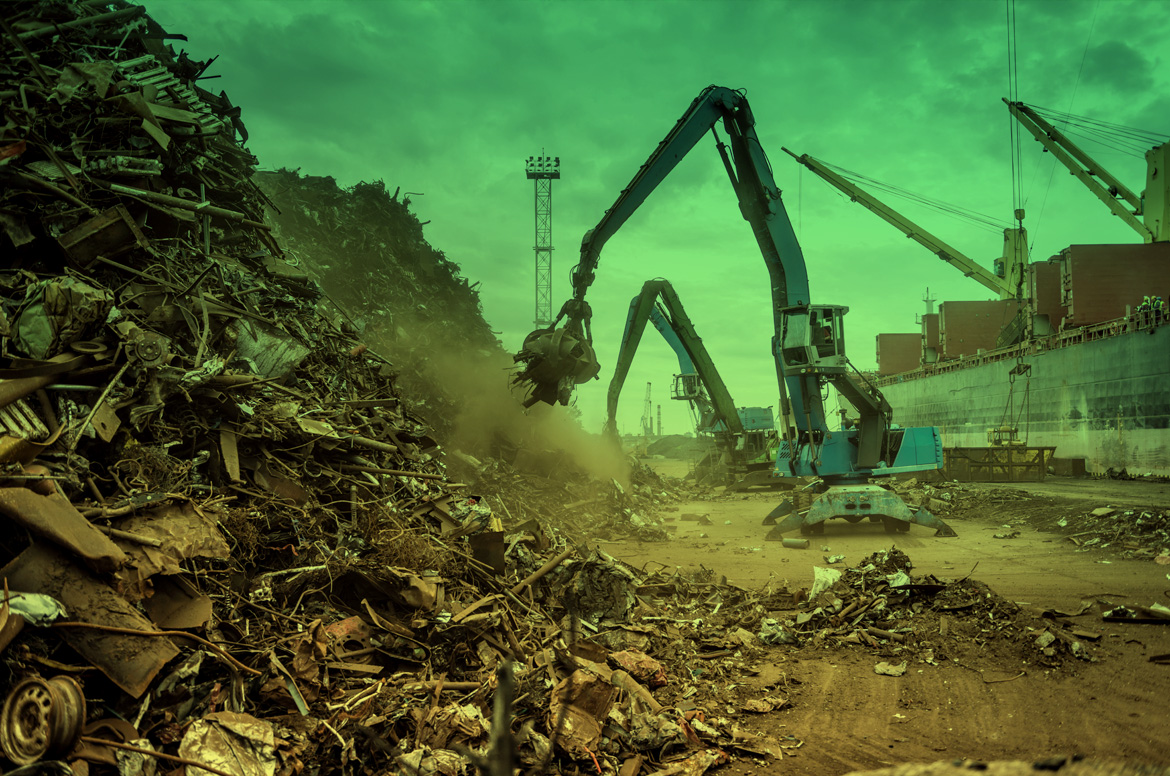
(485, 417)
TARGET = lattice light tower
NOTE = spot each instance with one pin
(542, 170)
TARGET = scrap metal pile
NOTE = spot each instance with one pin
(229, 541)
(1136, 533)
(576, 505)
(878, 604)
(365, 249)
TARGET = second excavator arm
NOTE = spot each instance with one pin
(676, 327)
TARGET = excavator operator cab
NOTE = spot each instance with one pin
(687, 387)
(813, 338)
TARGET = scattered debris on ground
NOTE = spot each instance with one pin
(1140, 533)
(224, 513)
(879, 605)
(1136, 533)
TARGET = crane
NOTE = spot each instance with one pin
(1152, 205)
(1010, 268)
(808, 342)
(744, 436)
(647, 416)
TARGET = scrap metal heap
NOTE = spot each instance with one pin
(193, 451)
(214, 494)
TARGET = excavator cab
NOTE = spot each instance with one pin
(813, 338)
(687, 387)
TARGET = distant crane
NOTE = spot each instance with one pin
(647, 416)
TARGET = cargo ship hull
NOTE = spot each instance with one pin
(1101, 394)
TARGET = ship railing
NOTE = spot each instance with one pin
(1137, 321)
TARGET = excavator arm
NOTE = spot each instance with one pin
(750, 174)
(808, 343)
(557, 360)
(658, 303)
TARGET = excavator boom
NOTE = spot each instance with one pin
(678, 329)
(554, 365)
(808, 342)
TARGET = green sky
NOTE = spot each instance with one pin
(449, 98)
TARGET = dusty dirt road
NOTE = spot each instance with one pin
(842, 716)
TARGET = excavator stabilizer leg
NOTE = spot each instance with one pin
(853, 503)
(924, 518)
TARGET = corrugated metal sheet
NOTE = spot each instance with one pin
(148, 71)
(897, 353)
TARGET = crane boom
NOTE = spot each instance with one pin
(759, 197)
(1006, 287)
(1115, 194)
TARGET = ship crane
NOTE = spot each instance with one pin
(1147, 214)
(1006, 282)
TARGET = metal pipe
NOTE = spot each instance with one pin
(203, 208)
(85, 21)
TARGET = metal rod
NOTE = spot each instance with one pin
(204, 208)
(349, 467)
(86, 21)
(93, 411)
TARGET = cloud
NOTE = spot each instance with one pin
(449, 98)
(1116, 65)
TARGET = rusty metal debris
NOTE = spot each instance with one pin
(227, 512)
(236, 515)
(879, 605)
(41, 718)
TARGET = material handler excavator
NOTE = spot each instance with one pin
(808, 342)
(745, 438)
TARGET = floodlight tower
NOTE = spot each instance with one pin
(542, 170)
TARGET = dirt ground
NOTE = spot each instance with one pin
(842, 716)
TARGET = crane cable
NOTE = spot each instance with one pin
(1013, 96)
(974, 217)
(1066, 116)
(1017, 207)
